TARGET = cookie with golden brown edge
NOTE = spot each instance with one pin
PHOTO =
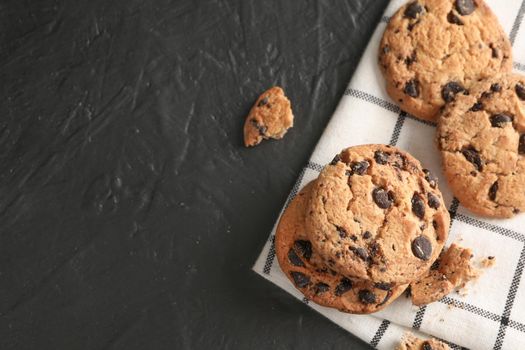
(306, 270)
(375, 214)
(434, 50)
(482, 141)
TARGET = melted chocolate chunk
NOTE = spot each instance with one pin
(261, 128)
(495, 51)
(520, 91)
(342, 232)
(386, 49)
(300, 279)
(411, 59)
(382, 198)
(304, 248)
(359, 168)
(294, 258)
(478, 106)
(367, 235)
(412, 88)
(418, 206)
(413, 10)
(422, 248)
(321, 288)
(367, 297)
(495, 87)
(426, 346)
(431, 179)
(433, 201)
(454, 19)
(336, 160)
(465, 7)
(499, 120)
(450, 90)
(381, 157)
(360, 252)
(472, 155)
(493, 190)
(344, 286)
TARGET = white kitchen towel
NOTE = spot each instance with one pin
(492, 314)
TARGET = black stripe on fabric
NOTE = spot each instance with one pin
(295, 188)
(379, 333)
(453, 346)
(419, 317)
(397, 128)
(314, 166)
(490, 227)
(385, 19)
(270, 257)
(504, 323)
(306, 301)
(517, 23)
(471, 308)
(389, 106)
(517, 325)
(519, 66)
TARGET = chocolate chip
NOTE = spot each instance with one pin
(499, 120)
(304, 248)
(411, 59)
(412, 88)
(263, 102)
(452, 18)
(450, 90)
(294, 259)
(366, 296)
(495, 87)
(359, 168)
(433, 201)
(486, 94)
(382, 198)
(381, 157)
(386, 49)
(478, 106)
(300, 279)
(493, 190)
(413, 10)
(344, 286)
(320, 288)
(383, 286)
(262, 129)
(465, 7)
(495, 51)
(426, 346)
(360, 252)
(472, 155)
(342, 232)
(435, 224)
(418, 206)
(431, 179)
(422, 248)
(353, 238)
(521, 147)
(374, 249)
(520, 91)
(367, 235)
(387, 297)
(336, 160)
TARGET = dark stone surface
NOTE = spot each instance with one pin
(130, 213)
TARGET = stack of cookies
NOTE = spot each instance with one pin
(374, 221)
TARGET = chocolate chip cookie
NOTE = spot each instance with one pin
(411, 342)
(482, 141)
(452, 270)
(434, 50)
(375, 214)
(306, 270)
(270, 117)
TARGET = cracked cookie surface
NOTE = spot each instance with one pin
(482, 143)
(306, 270)
(270, 117)
(434, 50)
(375, 214)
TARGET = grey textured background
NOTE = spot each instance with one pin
(130, 213)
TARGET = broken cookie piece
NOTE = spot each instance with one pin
(411, 342)
(488, 261)
(270, 117)
(454, 270)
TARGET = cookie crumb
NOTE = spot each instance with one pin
(270, 117)
(488, 261)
